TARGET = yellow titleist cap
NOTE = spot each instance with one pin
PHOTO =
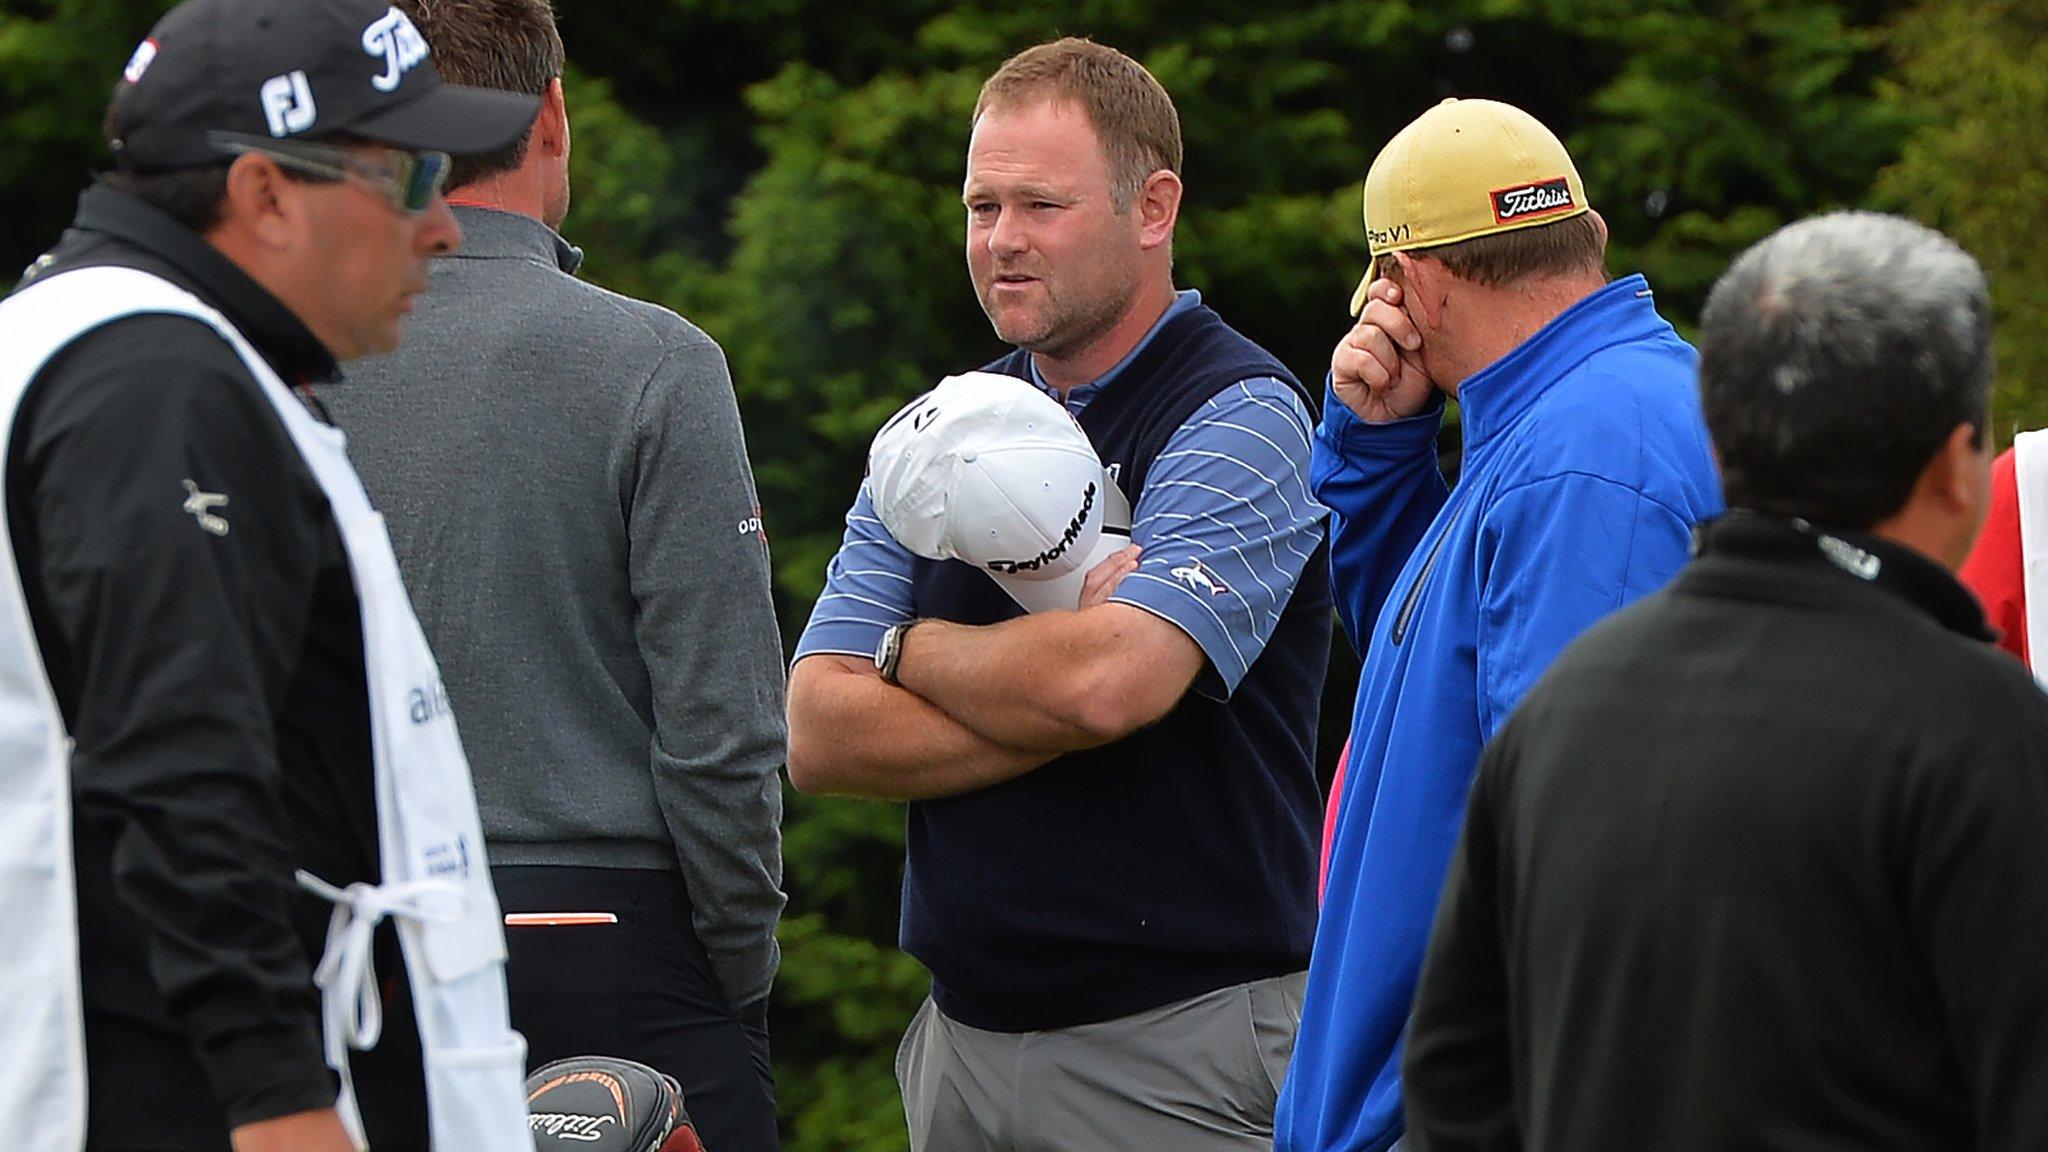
(1464, 169)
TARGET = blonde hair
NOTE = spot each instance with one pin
(1132, 115)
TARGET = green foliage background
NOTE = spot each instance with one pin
(786, 173)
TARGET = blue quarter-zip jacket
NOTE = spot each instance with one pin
(1586, 466)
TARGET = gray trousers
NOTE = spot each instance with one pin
(1201, 1075)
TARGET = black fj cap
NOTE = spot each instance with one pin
(297, 68)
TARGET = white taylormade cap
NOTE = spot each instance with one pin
(989, 470)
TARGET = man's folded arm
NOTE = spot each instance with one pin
(852, 733)
(1055, 681)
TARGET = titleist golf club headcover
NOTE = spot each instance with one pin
(604, 1104)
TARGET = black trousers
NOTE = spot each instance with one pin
(642, 989)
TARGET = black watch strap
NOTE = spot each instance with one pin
(889, 653)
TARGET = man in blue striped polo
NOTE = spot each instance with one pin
(1111, 867)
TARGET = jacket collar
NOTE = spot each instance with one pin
(275, 330)
(494, 234)
(1496, 397)
(1883, 564)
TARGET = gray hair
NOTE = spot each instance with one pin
(1836, 356)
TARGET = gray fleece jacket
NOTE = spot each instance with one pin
(570, 498)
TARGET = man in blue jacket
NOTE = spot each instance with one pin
(1586, 465)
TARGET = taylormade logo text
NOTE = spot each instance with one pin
(1059, 548)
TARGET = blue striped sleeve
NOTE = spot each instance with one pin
(867, 588)
(1227, 523)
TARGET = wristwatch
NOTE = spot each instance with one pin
(889, 652)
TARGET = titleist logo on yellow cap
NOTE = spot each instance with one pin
(1546, 199)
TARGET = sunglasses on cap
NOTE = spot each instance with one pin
(410, 180)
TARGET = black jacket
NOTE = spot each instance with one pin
(214, 686)
(1762, 863)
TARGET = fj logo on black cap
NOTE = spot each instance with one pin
(288, 104)
(394, 38)
(279, 69)
(1525, 200)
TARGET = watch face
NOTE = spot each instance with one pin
(885, 652)
(889, 653)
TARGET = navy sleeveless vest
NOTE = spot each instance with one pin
(1176, 861)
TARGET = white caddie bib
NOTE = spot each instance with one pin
(2030, 473)
(436, 882)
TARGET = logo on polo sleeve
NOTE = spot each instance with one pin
(1199, 578)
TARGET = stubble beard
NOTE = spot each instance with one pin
(1059, 328)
